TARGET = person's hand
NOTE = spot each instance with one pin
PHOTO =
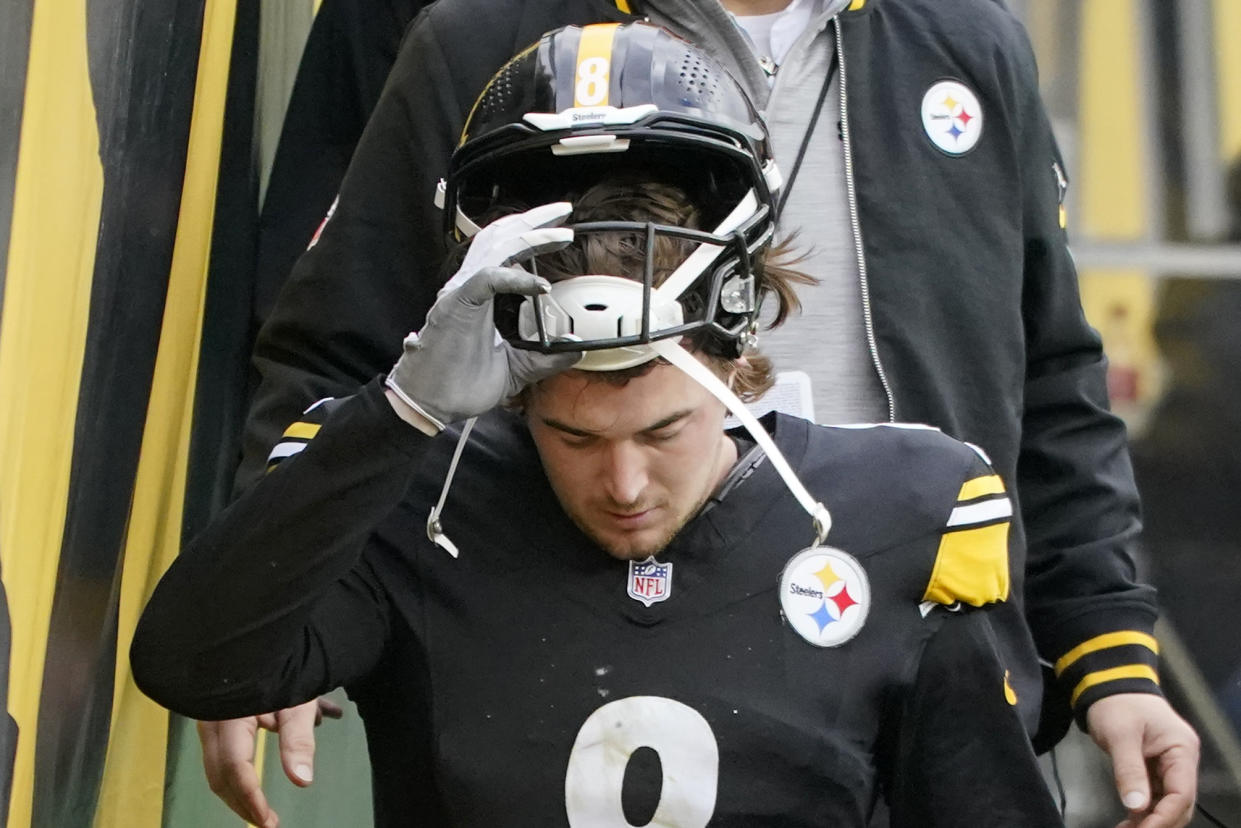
(1154, 756)
(457, 367)
(228, 756)
(514, 237)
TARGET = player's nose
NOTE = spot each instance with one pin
(625, 473)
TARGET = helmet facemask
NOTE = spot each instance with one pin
(711, 295)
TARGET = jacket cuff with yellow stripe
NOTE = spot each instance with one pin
(1108, 662)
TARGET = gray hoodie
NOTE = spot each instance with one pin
(827, 340)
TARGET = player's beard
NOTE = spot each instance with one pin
(633, 551)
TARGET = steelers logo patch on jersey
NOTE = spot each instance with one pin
(824, 595)
(952, 117)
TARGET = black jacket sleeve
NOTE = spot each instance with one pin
(275, 602)
(373, 273)
(961, 753)
(978, 316)
(346, 60)
(1087, 610)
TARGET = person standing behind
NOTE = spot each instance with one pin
(348, 53)
(640, 617)
(947, 211)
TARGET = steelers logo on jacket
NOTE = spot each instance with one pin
(952, 117)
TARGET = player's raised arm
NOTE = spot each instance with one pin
(277, 586)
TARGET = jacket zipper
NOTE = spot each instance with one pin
(856, 225)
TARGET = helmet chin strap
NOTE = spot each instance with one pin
(687, 362)
(435, 529)
(676, 283)
(698, 261)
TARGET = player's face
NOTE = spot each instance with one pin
(630, 464)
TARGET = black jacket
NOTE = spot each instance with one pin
(976, 312)
(348, 54)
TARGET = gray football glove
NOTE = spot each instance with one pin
(457, 366)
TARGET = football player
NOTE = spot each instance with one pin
(592, 604)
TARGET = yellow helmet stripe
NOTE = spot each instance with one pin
(594, 65)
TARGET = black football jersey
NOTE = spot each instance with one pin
(738, 678)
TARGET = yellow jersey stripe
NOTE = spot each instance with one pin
(979, 486)
(1103, 642)
(971, 567)
(623, 6)
(302, 431)
(594, 65)
(1138, 671)
(856, 4)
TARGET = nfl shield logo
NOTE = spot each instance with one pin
(650, 581)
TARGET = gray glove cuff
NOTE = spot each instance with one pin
(395, 388)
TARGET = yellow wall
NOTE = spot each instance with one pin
(47, 291)
(1112, 179)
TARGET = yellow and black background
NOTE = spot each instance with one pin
(135, 146)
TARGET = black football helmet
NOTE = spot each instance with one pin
(582, 103)
(569, 112)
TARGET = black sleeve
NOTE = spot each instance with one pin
(1087, 610)
(275, 602)
(346, 60)
(373, 273)
(960, 754)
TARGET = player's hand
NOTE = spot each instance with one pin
(229, 748)
(457, 367)
(1154, 756)
(514, 237)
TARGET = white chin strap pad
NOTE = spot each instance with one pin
(688, 363)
